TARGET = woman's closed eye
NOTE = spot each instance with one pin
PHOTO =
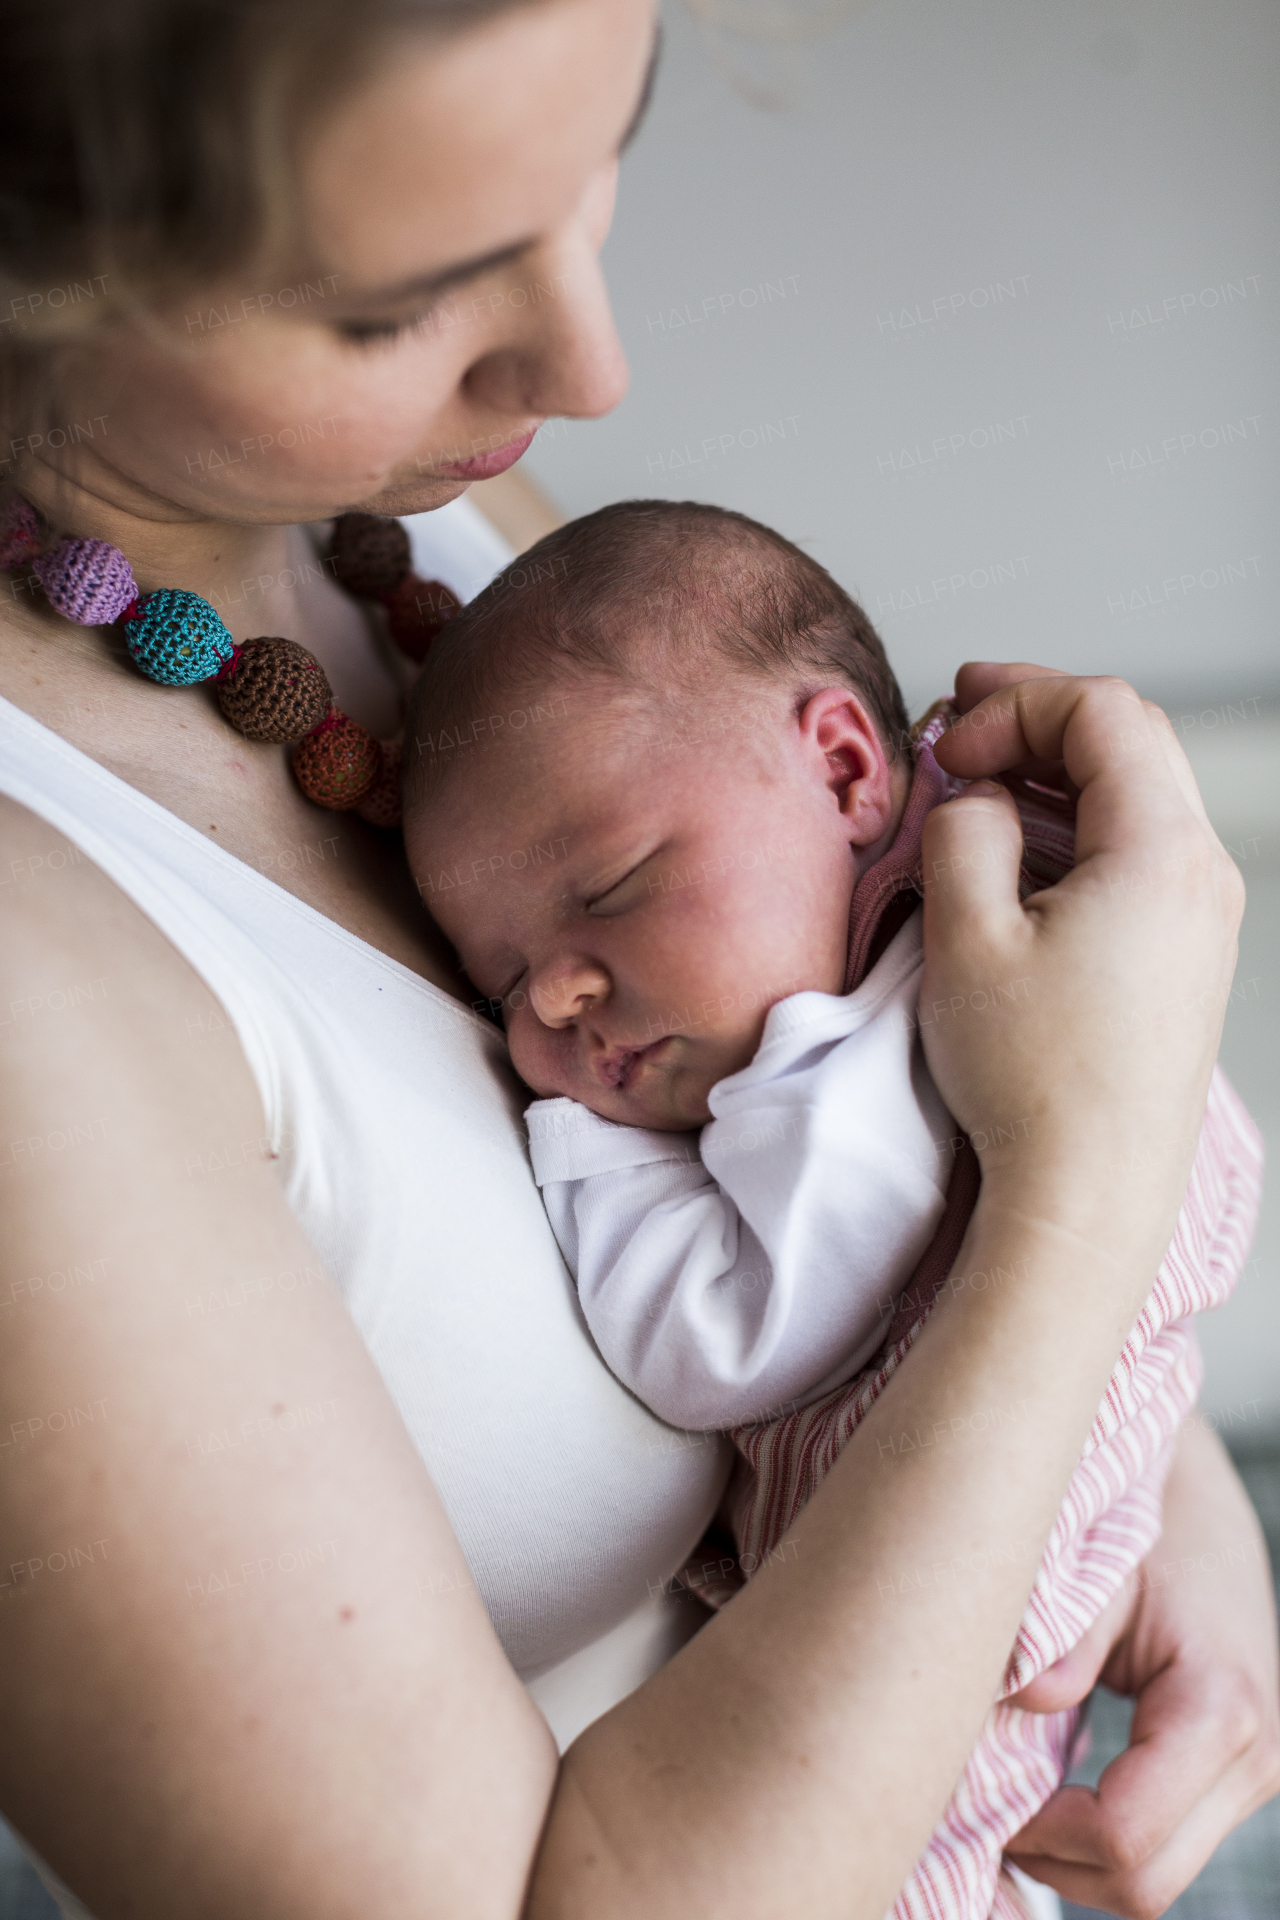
(375, 333)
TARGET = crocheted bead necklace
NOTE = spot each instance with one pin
(268, 689)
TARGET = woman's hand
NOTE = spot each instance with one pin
(1196, 1645)
(1122, 970)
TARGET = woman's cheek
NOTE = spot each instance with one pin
(368, 410)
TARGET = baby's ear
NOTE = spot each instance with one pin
(847, 754)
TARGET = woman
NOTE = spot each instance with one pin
(249, 1667)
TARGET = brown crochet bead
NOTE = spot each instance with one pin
(337, 764)
(381, 805)
(416, 612)
(275, 690)
(370, 554)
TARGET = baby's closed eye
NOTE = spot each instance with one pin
(630, 889)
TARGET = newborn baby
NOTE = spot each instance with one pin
(662, 795)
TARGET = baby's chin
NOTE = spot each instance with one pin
(661, 1098)
(661, 1111)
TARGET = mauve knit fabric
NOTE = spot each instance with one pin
(88, 581)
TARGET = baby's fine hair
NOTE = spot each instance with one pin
(645, 587)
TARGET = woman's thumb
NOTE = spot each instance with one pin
(1073, 1678)
(972, 848)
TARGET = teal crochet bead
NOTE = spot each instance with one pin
(177, 638)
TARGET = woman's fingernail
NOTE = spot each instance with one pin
(983, 786)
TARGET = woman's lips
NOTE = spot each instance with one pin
(484, 466)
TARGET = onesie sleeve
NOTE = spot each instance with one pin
(725, 1301)
(660, 1258)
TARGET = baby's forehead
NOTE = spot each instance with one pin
(516, 772)
(584, 758)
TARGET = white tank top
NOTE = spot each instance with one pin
(398, 1125)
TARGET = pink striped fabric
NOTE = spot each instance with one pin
(1110, 1518)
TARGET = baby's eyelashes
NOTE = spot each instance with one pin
(625, 893)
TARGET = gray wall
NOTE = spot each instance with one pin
(978, 302)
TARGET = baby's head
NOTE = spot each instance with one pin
(643, 771)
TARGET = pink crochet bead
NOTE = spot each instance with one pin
(19, 533)
(88, 581)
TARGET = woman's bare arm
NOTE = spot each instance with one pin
(346, 1736)
(255, 1681)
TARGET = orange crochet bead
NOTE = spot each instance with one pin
(337, 763)
(381, 805)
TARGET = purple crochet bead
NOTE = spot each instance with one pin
(177, 638)
(19, 533)
(88, 581)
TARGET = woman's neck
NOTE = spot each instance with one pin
(173, 744)
(226, 562)
(260, 578)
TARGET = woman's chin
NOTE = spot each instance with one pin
(417, 493)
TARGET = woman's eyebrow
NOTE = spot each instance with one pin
(646, 92)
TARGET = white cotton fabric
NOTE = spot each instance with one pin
(730, 1274)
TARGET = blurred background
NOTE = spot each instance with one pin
(979, 302)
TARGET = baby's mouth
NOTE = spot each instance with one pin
(618, 1067)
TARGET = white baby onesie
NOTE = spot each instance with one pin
(729, 1274)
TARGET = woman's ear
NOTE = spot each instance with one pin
(844, 749)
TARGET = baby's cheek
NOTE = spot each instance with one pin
(539, 1054)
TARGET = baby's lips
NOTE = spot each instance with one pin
(610, 1068)
(613, 1066)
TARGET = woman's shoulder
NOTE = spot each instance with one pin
(100, 1009)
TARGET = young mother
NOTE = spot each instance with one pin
(311, 1460)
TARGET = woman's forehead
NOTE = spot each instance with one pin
(459, 147)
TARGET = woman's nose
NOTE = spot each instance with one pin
(563, 990)
(563, 356)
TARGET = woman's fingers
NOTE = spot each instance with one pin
(1124, 1879)
(978, 678)
(1181, 1748)
(970, 853)
(979, 963)
(1124, 965)
(1073, 1678)
(1179, 765)
(1199, 1652)
(1134, 816)
(1097, 729)
(1093, 726)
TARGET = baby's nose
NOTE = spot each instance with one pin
(565, 989)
